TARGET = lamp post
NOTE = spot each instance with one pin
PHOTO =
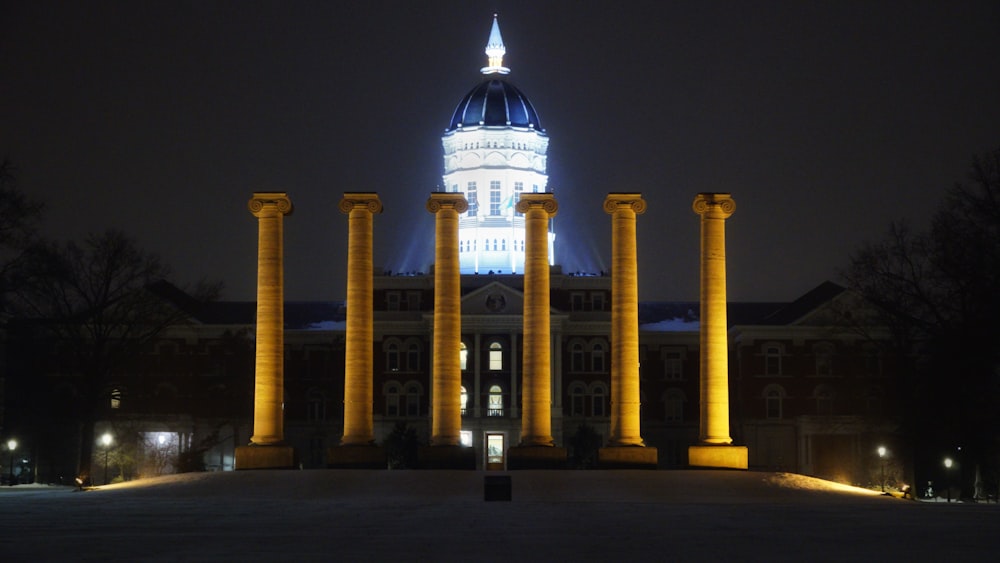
(11, 446)
(881, 455)
(947, 476)
(106, 440)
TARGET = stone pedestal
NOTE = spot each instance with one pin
(719, 457)
(446, 457)
(265, 457)
(446, 375)
(714, 449)
(267, 449)
(359, 426)
(625, 457)
(536, 418)
(356, 457)
(536, 457)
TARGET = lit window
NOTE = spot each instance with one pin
(470, 195)
(495, 401)
(465, 438)
(496, 356)
(673, 401)
(463, 356)
(116, 398)
(495, 198)
(518, 189)
(464, 400)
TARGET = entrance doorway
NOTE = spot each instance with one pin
(495, 451)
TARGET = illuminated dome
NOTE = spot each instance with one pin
(495, 102)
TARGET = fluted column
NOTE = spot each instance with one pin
(714, 209)
(446, 409)
(358, 421)
(625, 399)
(270, 209)
(536, 418)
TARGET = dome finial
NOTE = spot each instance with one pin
(495, 51)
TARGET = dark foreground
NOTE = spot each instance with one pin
(441, 516)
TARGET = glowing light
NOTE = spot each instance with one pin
(12, 444)
(881, 451)
(947, 462)
(106, 439)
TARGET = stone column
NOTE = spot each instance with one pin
(625, 398)
(358, 421)
(536, 418)
(446, 410)
(270, 209)
(715, 449)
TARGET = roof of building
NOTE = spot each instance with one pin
(495, 102)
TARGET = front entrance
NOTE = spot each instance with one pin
(495, 451)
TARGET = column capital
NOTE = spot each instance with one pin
(354, 200)
(447, 200)
(714, 205)
(618, 200)
(260, 200)
(545, 201)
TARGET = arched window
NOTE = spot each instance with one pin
(463, 356)
(598, 399)
(413, 392)
(673, 402)
(496, 356)
(392, 399)
(392, 356)
(494, 244)
(577, 398)
(413, 357)
(464, 400)
(495, 401)
(597, 357)
(116, 398)
(503, 244)
(576, 357)
(774, 396)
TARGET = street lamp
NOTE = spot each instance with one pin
(106, 440)
(881, 455)
(947, 476)
(11, 446)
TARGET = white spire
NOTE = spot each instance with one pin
(495, 51)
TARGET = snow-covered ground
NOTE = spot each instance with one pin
(560, 516)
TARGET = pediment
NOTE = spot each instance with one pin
(493, 299)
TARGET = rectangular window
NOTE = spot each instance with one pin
(496, 360)
(673, 366)
(772, 360)
(470, 195)
(495, 197)
(576, 301)
(597, 299)
(412, 300)
(518, 189)
(392, 299)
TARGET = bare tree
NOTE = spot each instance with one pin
(19, 217)
(103, 301)
(939, 293)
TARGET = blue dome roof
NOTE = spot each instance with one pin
(495, 102)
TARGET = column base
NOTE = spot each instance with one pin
(265, 457)
(627, 457)
(536, 457)
(718, 457)
(356, 457)
(446, 457)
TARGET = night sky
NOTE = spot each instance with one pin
(825, 120)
